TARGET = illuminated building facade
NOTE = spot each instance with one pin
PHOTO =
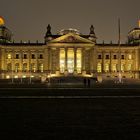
(68, 53)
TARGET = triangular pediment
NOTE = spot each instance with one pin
(71, 38)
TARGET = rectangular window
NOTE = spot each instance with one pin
(41, 56)
(33, 56)
(9, 56)
(99, 56)
(122, 56)
(25, 56)
(115, 57)
(129, 56)
(17, 56)
(107, 57)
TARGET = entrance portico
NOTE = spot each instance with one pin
(73, 53)
(70, 60)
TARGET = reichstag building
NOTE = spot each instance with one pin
(68, 53)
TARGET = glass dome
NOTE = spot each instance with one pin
(70, 30)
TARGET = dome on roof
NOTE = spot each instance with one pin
(70, 30)
(134, 36)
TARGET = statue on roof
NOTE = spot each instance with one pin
(48, 30)
(92, 30)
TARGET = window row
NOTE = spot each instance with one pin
(114, 67)
(24, 56)
(33, 67)
(115, 56)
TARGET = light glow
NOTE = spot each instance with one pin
(16, 76)
(7, 77)
(1, 21)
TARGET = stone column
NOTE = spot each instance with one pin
(58, 57)
(75, 59)
(3, 65)
(94, 59)
(91, 60)
(102, 62)
(49, 59)
(110, 66)
(66, 56)
(83, 61)
(136, 63)
(46, 60)
(58, 61)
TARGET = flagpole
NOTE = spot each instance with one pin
(119, 45)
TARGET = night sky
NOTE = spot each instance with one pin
(27, 19)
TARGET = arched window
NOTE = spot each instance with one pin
(33, 67)
(114, 67)
(129, 67)
(99, 67)
(41, 67)
(106, 67)
(24, 67)
(9, 67)
(16, 67)
(122, 67)
(9, 56)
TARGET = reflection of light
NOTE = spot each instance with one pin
(139, 23)
(16, 76)
(7, 76)
(32, 76)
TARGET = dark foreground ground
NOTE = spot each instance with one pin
(106, 114)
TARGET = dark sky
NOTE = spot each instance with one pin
(28, 19)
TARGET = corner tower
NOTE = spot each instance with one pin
(5, 33)
(134, 36)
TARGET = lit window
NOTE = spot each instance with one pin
(99, 67)
(114, 67)
(129, 56)
(41, 67)
(16, 67)
(24, 67)
(9, 56)
(106, 67)
(9, 67)
(122, 67)
(129, 68)
(33, 68)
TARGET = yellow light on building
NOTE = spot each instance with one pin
(24, 76)
(9, 56)
(7, 77)
(139, 23)
(1, 21)
(16, 76)
(129, 56)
